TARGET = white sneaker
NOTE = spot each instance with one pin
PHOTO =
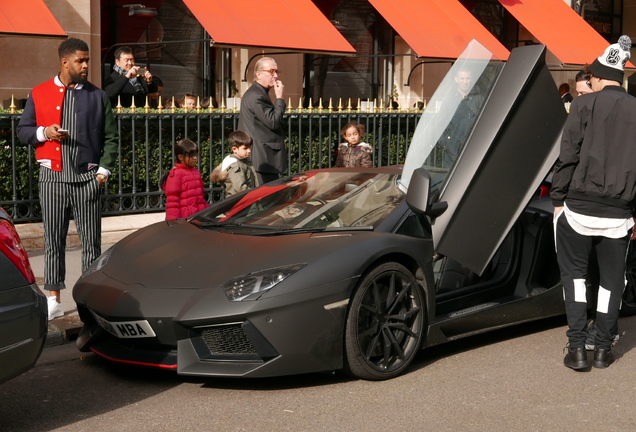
(55, 308)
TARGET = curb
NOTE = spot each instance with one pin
(55, 337)
(62, 330)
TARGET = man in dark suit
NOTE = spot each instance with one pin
(128, 81)
(262, 120)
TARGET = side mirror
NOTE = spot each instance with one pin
(417, 195)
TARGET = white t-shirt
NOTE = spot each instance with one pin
(596, 226)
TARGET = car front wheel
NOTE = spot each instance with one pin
(385, 323)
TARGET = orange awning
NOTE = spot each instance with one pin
(28, 18)
(287, 24)
(437, 28)
(555, 24)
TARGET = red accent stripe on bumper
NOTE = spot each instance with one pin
(161, 366)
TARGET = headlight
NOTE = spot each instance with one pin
(99, 262)
(253, 285)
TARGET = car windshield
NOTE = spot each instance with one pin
(323, 199)
(451, 114)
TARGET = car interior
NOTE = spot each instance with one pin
(458, 287)
(451, 276)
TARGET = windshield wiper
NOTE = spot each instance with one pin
(213, 224)
(302, 230)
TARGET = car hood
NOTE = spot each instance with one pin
(181, 255)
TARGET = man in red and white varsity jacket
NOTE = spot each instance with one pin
(71, 124)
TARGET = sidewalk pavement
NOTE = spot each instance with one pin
(114, 228)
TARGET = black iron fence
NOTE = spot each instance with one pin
(146, 151)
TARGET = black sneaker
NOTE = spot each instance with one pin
(576, 359)
(603, 358)
(590, 340)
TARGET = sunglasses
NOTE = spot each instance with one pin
(272, 71)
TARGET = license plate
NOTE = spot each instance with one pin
(126, 329)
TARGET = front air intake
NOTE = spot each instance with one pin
(230, 339)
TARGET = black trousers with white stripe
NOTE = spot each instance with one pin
(59, 201)
(573, 254)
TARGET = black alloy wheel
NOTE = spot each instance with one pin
(385, 323)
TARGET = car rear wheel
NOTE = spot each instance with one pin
(628, 306)
(385, 323)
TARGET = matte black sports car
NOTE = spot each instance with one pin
(23, 308)
(352, 269)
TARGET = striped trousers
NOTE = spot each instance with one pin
(59, 201)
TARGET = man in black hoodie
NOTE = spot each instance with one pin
(593, 192)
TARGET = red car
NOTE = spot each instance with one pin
(23, 308)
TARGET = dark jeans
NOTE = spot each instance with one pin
(573, 254)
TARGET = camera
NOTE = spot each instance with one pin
(142, 71)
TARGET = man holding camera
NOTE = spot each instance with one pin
(128, 82)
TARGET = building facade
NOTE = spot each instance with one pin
(173, 42)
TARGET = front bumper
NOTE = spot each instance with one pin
(291, 334)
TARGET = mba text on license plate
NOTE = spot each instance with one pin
(126, 329)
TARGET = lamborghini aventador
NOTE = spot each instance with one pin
(352, 270)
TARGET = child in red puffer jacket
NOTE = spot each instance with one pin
(184, 186)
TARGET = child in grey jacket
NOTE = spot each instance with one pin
(236, 172)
